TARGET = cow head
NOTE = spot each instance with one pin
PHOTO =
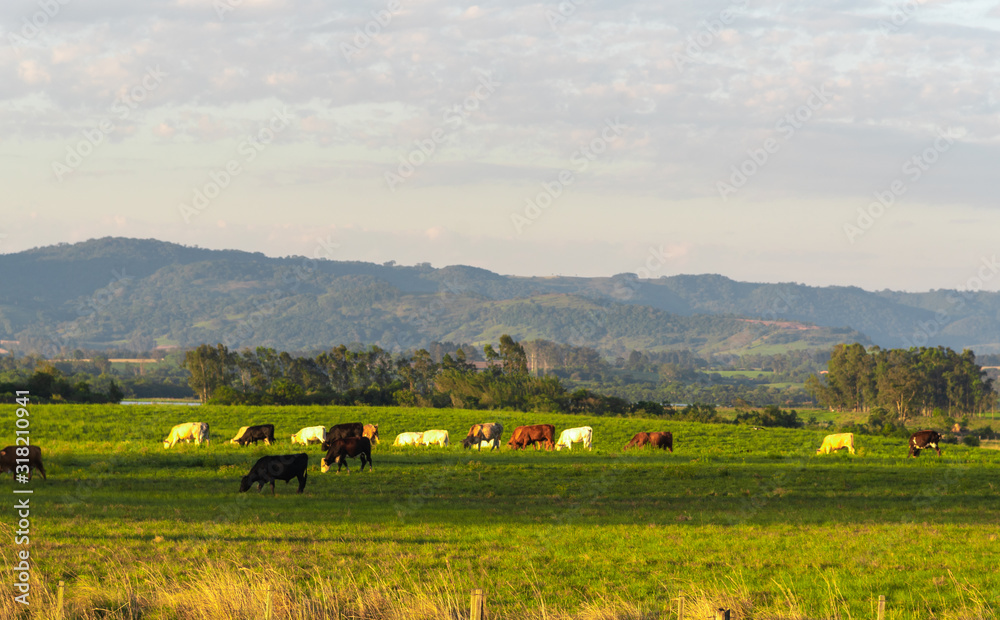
(245, 484)
(166, 443)
(324, 466)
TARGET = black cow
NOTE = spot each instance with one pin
(348, 447)
(343, 431)
(9, 457)
(922, 440)
(253, 434)
(267, 469)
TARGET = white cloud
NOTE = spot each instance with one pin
(890, 90)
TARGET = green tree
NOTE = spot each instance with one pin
(210, 369)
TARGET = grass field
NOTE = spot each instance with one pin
(752, 520)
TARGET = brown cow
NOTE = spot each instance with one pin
(30, 457)
(524, 436)
(664, 441)
(348, 447)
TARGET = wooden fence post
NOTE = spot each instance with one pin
(476, 605)
(680, 606)
(269, 601)
(59, 601)
(722, 614)
(881, 607)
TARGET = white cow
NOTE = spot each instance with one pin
(239, 434)
(310, 434)
(435, 437)
(832, 443)
(408, 439)
(572, 435)
(187, 432)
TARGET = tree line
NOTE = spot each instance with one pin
(374, 376)
(903, 381)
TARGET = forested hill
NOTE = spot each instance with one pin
(140, 293)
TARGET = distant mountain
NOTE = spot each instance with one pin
(140, 293)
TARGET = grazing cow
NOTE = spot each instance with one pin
(310, 434)
(348, 447)
(438, 437)
(29, 456)
(409, 439)
(922, 440)
(664, 440)
(253, 434)
(342, 431)
(524, 436)
(488, 433)
(187, 432)
(839, 441)
(573, 435)
(267, 469)
(371, 432)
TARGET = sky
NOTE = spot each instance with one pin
(835, 143)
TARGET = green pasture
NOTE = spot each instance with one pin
(755, 516)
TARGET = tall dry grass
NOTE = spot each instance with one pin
(226, 591)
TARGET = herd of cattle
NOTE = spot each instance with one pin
(355, 440)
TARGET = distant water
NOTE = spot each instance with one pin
(158, 402)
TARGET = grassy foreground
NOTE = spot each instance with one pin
(751, 520)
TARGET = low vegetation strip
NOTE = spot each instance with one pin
(754, 518)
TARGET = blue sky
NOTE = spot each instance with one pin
(850, 143)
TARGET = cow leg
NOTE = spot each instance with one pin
(302, 481)
(272, 487)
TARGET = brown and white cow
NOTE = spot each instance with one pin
(371, 432)
(342, 431)
(524, 436)
(340, 449)
(488, 433)
(922, 440)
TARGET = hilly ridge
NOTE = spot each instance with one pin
(140, 293)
